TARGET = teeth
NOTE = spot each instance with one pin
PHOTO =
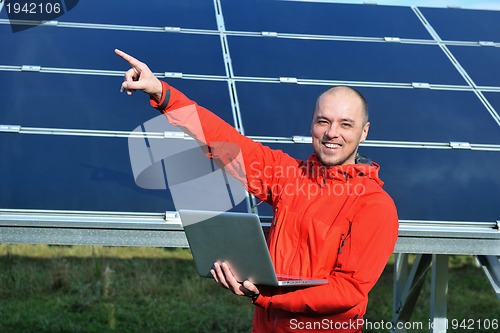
(332, 145)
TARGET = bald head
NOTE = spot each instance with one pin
(348, 93)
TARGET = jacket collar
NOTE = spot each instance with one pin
(342, 173)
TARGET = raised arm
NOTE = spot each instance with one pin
(240, 156)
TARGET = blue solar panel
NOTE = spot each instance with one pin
(440, 184)
(92, 102)
(93, 49)
(204, 91)
(493, 99)
(283, 110)
(322, 19)
(464, 24)
(75, 173)
(79, 173)
(479, 62)
(340, 60)
(191, 14)
(429, 115)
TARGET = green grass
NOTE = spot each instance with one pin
(110, 289)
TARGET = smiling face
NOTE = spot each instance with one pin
(339, 124)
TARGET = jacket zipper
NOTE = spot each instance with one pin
(323, 173)
(343, 239)
(271, 242)
(275, 218)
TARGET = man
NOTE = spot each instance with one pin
(331, 217)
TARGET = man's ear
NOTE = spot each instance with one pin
(364, 134)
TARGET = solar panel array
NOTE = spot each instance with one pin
(430, 76)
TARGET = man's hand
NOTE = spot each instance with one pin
(139, 77)
(225, 278)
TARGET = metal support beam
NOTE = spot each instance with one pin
(407, 286)
(91, 228)
(491, 267)
(400, 287)
(439, 293)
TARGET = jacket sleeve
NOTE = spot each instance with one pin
(248, 161)
(374, 233)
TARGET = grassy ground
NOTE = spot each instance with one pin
(110, 289)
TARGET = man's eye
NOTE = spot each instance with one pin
(346, 125)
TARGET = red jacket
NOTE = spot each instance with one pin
(329, 222)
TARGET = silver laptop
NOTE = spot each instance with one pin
(238, 240)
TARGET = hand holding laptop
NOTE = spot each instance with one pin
(225, 278)
(237, 240)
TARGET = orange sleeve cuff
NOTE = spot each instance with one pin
(161, 104)
(262, 301)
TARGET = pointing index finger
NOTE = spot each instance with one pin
(128, 58)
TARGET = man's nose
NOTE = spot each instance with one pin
(332, 131)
